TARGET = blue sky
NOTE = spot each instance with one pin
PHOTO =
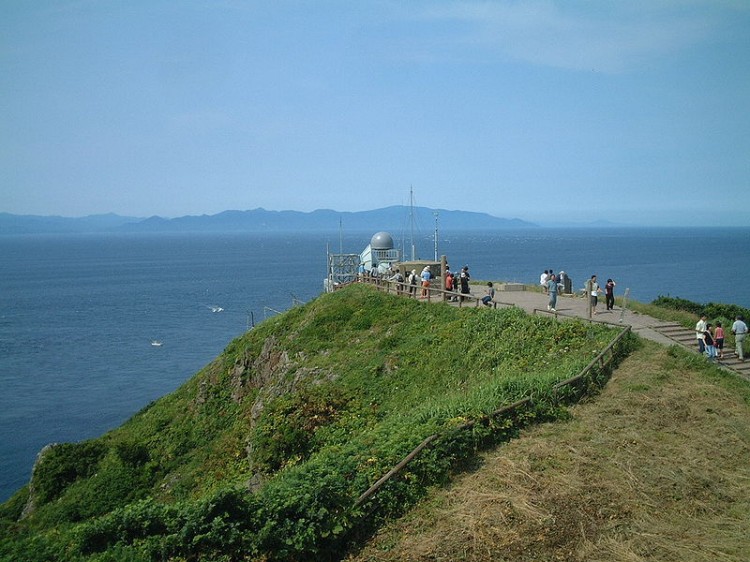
(634, 111)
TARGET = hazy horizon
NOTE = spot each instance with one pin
(550, 112)
(595, 223)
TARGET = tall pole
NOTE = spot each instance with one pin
(436, 235)
(411, 221)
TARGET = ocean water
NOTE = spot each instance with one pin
(79, 312)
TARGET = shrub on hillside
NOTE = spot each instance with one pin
(63, 464)
(712, 310)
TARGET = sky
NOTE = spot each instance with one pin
(635, 112)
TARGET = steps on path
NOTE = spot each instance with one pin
(678, 333)
(686, 338)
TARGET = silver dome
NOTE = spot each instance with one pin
(381, 241)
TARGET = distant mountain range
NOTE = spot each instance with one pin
(395, 219)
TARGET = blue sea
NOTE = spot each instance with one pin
(79, 312)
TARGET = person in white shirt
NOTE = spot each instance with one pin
(593, 290)
(543, 280)
(739, 329)
(700, 327)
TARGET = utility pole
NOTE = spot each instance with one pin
(411, 221)
(436, 235)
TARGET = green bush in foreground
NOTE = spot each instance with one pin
(316, 405)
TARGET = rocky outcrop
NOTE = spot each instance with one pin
(31, 503)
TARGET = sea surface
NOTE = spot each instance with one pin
(79, 313)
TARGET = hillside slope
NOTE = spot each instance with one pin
(263, 454)
(656, 468)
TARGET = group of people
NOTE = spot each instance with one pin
(454, 282)
(458, 282)
(553, 283)
(412, 281)
(711, 338)
(594, 290)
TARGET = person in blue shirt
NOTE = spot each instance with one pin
(426, 276)
(552, 287)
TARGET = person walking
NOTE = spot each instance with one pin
(609, 294)
(700, 327)
(719, 340)
(552, 288)
(543, 280)
(594, 290)
(739, 329)
(708, 343)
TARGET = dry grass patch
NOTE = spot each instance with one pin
(655, 468)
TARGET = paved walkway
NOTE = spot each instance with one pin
(569, 305)
(666, 333)
(575, 306)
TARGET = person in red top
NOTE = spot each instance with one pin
(719, 339)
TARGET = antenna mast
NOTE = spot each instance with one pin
(436, 213)
(411, 220)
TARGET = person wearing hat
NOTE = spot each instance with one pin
(413, 283)
(464, 279)
(426, 276)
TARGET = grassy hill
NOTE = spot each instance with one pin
(656, 468)
(263, 454)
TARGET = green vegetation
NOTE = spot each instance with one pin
(716, 312)
(711, 309)
(263, 454)
(686, 313)
(656, 468)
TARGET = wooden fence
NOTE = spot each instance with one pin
(432, 293)
(600, 363)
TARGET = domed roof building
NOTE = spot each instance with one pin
(381, 241)
(380, 254)
(376, 259)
